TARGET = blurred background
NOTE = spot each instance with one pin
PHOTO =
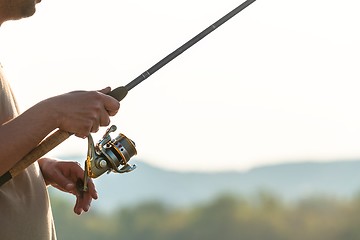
(250, 134)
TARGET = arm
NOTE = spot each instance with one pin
(78, 112)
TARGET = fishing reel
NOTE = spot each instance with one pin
(108, 155)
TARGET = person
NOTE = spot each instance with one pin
(25, 210)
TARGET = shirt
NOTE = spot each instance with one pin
(25, 210)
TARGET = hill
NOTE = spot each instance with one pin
(288, 181)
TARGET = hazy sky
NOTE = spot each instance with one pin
(278, 82)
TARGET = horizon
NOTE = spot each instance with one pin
(135, 160)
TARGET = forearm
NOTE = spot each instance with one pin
(20, 135)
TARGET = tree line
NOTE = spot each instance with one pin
(228, 217)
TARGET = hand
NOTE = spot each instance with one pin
(64, 175)
(82, 112)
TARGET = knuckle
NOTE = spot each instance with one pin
(105, 122)
(84, 130)
(76, 163)
(95, 129)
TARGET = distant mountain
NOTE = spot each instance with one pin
(288, 181)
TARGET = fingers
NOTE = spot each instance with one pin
(104, 118)
(68, 182)
(66, 176)
(109, 108)
(111, 105)
(92, 190)
(64, 183)
(83, 112)
(83, 200)
(93, 126)
(82, 203)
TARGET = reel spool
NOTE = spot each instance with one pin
(108, 155)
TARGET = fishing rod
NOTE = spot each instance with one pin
(112, 154)
(120, 92)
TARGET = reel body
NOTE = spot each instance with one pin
(108, 155)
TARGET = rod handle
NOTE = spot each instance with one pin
(119, 93)
(44, 147)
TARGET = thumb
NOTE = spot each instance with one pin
(105, 90)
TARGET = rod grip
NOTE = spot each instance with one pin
(119, 93)
(44, 147)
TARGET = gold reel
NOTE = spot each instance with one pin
(108, 155)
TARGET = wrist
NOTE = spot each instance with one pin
(44, 164)
(47, 111)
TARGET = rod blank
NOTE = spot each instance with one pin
(179, 50)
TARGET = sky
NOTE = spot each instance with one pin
(277, 83)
